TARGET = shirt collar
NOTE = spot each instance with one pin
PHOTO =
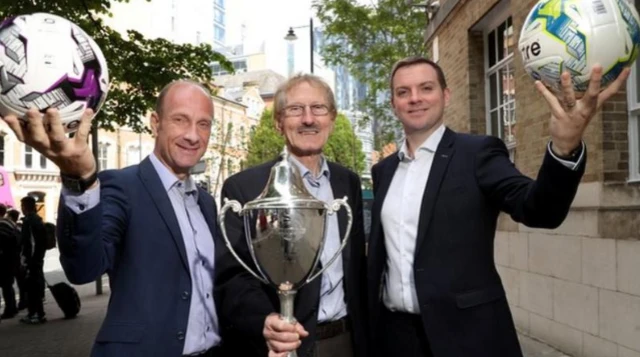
(431, 144)
(169, 179)
(304, 171)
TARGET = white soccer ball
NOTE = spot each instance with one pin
(573, 35)
(46, 61)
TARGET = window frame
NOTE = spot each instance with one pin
(633, 112)
(494, 21)
(28, 151)
(103, 155)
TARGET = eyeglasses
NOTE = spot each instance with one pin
(298, 110)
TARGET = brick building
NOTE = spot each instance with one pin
(576, 287)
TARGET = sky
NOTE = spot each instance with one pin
(267, 19)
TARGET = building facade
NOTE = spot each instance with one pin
(228, 146)
(575, 287)
(349, 95)
(265, 81)
(219, 24)
(27, 173)
(192, 21)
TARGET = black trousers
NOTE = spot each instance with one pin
(35, 291)
(9, 296)
(402, 334)
(21, 281)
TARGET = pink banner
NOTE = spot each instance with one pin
(6, 197)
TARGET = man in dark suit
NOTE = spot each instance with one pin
(9, 262)
(147, 226)
(34, 248)
(331, 310)
(433, 285)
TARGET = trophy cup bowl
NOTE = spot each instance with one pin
(285, 231)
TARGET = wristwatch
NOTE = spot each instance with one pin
(77, 184)
(573, 155)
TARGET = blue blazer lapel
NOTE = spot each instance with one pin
(441, 160)
(153, 185)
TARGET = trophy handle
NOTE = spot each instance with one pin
(331, 209)
(237, 208)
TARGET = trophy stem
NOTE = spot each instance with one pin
(287, 296)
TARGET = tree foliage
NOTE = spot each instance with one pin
(138, 67)
(368, 39)
(265, 143)
(343, 145)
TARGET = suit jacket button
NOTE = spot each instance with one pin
(185, 295)
(180, 335)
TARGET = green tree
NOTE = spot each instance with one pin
(138, 67)
(265, 143)
(342, 147)
(393, 30)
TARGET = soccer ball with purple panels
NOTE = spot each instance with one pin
(46, 61)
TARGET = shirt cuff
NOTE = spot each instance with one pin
(79, 203)
(569, 164)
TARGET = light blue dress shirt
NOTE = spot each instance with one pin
(332, 299)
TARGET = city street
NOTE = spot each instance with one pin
(73, 338)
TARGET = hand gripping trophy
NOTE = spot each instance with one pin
(285, 231)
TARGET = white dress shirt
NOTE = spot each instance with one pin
(400, 217)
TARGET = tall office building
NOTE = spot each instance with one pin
(177, 21)
(219, 24)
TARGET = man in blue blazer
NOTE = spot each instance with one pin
(147, 226)
(433, 286)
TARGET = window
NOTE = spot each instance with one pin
(220, 3)
(133, 155)
(218, 16)
(218, 33)
(43, 162)
(1, 150)
(28, 157)
(240, 65)
(103, 150)
(243, 139)
(633, 98)
(499, 73)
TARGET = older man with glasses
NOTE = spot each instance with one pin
(330, 310)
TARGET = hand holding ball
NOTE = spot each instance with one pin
(47, 61)
(574, 35)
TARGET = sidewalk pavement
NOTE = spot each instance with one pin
(74, 338)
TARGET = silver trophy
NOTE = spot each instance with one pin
(285, 231)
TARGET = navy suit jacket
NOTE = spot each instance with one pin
(462, 301)
(133, 235)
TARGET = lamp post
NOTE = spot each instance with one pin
(291, 36)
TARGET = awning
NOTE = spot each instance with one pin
(6, 197)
